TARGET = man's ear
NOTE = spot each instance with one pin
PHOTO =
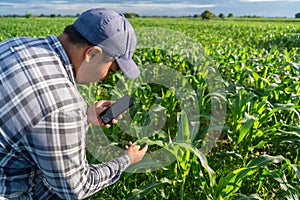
(92, 52)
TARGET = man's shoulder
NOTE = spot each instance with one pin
(35, 76)
(22, 41)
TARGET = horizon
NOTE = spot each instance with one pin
(175, 8)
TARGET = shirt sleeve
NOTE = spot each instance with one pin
(57, 146)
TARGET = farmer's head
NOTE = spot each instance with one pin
(111, 44)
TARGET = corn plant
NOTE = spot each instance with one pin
(257, 154)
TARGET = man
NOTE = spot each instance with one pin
(43, 118)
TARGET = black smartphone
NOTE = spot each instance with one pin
(116, 109)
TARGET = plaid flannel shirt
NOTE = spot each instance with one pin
(43, 124)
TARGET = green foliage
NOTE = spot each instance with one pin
(257, 154)
(28, 15)
(207, 15)
(221, 15)
(131, 15)
(230, 15)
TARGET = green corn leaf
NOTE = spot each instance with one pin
(146, 163)
(141, 193)
(232, 182)
(203, 161)
(183, 135)
(288, 107)
(245, 197)
(247, 124)
(264, 160)
(297, 170)
(289, 191)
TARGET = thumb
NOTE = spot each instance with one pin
(144, 149)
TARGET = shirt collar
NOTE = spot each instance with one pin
(59, 50)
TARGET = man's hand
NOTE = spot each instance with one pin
(135, 153)
(94, 111)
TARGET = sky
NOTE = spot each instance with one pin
(263, 8)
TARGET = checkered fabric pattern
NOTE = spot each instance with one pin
(43, 124)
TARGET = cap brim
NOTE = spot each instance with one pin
(128, 67)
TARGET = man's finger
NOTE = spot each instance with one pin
(144, 149)
(114, 121)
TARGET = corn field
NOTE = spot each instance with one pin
(232, 86)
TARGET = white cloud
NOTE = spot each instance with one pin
(59, 2)
(280, 8)
(8, 4)
(140, 7)
(12, 5)
(131, 5)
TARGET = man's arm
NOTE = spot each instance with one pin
(57, 145)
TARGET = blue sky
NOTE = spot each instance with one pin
(267, 8)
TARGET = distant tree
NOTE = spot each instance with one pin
(230, 15)
(251, 16)
(52, 15)
(207, 15)
(297, 15)
(28, 15)
(131, 15)
(221, 15)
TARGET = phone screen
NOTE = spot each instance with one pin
(116, 109)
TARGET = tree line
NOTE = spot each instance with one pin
(206, 15)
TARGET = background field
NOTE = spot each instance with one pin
(257, 154)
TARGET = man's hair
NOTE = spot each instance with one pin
(74, 37)
(77, 39)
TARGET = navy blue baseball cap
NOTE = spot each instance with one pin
(113, 33)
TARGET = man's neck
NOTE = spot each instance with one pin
(76, 54)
